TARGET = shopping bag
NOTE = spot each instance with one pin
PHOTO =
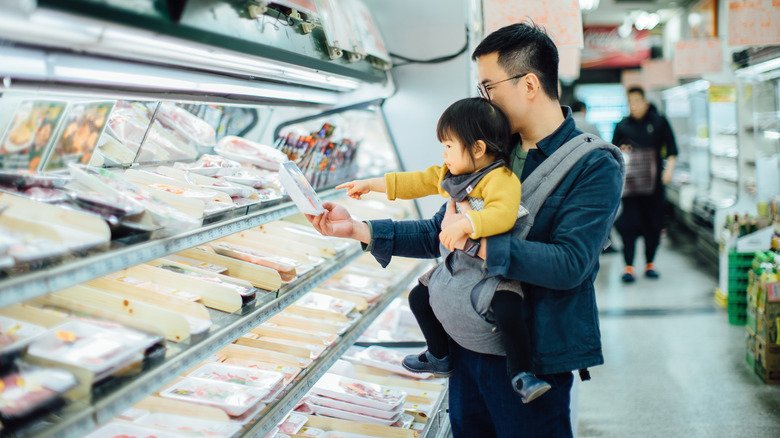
(641, 171)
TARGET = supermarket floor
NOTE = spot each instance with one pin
(674, 366)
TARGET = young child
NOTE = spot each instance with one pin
(476, 138)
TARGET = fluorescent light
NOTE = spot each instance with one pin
(589, 5)
(772, 135)
(754, 70)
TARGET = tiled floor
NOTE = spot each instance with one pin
(674, 366)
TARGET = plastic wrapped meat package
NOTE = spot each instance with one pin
(27, 392)
(189, 426)
(211, 165)
(335, 434)
(266, 382)
(359, 392)
(15, 335)
(315, 350)
(326, 338)
(287, 268)
(17, 248)
(214, 278)
(234, 399)
(349, 415)
(246, 151)
(187, 124)
(396, 324)
(255, 178)
(292, 424)
(154, 287)
(100, 347)
(386, 359)
(105, 205)
(23, 179)
(313, 300)
(353, 408)
(128, 124)
(288, 373)
(105, 181)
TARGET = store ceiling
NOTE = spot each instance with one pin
(614, 11)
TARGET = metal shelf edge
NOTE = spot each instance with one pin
(149, 382)
(43, 281)
(287, 403)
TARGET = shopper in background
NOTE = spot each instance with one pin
(557, 262)
(578, 111)
(642, 215)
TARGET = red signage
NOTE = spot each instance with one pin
(605, 48)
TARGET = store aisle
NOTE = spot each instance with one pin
(674, 367)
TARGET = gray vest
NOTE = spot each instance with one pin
(460, 289)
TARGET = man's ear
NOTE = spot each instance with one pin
(531, 85)
(479, 149)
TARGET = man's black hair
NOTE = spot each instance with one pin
(472, 119)
(578, 106)
(524, 48)
(639, 90)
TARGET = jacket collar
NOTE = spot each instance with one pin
(552, 142)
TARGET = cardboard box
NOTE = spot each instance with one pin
(768, 376)
(767, 326)
(767, 354)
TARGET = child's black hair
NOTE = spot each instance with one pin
(472, 119)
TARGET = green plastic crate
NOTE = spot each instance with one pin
(737, 319)
(740, 298)
(750, 359)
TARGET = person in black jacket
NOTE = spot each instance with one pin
(642, 215)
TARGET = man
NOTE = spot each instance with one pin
(557, 262)
(579, 111)
(642, 215)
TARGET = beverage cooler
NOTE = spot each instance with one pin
(154, 276)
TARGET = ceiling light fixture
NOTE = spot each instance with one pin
(589, 5)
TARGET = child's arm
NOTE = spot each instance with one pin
(501, 195)
(413, 185)
(359, 187)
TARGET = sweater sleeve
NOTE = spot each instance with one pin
(413, 185)
(501, 194)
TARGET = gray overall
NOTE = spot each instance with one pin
(460, 288)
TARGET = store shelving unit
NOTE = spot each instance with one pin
(58, 51)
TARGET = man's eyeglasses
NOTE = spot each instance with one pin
(484, 89)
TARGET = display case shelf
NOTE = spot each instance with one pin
(438, 425)
(276, 413)
(24, 286)
(80, 418)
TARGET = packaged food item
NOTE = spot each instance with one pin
(133, 414)
(313, 300)
(106, 205)
(351, 416)
(326, 338)
(234, 399)
(314, 350)
(243, 150)
(405, 422)
(23, 179)
(359, 392)
(335, 434)
(311, 431)
(353, 408)
(30, 391)
(243, 291)
(256, 178)
(191, 126)
(190, 426)
(285, 266)
(165, 144)
(387, 359)
(211, 165)
(15, 334)
(263, 381)
(47, 195)
(101, 347)
(28, 249)
(211, 267)
(154, 287)
(288, 373)
(122, 429)
(293, 423)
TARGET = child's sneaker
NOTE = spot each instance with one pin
(529, 387)
(425, 362)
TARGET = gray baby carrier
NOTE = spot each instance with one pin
(460, 289)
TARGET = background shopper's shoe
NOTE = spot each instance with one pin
(650, 271)
(628, 275)
(425, 362)
(529, 386)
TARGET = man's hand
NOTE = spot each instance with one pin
(337, 222)
(454, 236)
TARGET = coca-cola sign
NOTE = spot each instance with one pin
(605, 48)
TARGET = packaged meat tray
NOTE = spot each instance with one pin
(293, 424)
(211, 165)
(189, 426)
(345, 415)
(336, 434)
(286, 267)
(288, 373)
(154, 287)
(313, 300)
(234, 399)
(98, 346)
(387, 359)
(264, 381)
(22, 179)
(214, 278)
(191, 126)
(15, 335)
(107, 206)
(243, 150)
(353, 408)
(31, 391)
(359, 392)
(121, 429)
(255, 178)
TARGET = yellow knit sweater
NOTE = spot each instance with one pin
(499, 189)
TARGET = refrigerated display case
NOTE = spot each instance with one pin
(140, 196)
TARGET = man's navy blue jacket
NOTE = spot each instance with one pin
(557, 262)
